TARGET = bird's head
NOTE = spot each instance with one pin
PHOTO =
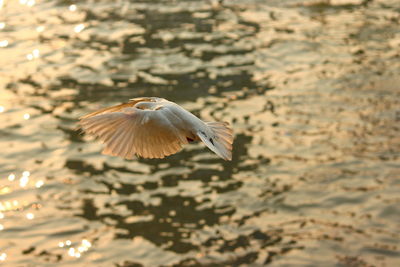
(150, 105)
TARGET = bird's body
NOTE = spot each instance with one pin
(153, 127)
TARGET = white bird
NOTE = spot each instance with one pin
(153, 127)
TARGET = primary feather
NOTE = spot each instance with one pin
(153, 127)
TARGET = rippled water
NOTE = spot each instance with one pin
(311, 88)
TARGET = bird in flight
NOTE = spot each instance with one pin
(153, 127)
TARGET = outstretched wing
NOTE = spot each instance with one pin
(127, 131)
(116, 108)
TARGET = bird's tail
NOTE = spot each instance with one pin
(221, 139)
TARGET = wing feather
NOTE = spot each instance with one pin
(126, 131)
(117, 108)
(121, 146)
(116, 140)
(128, 136)
(219, 139)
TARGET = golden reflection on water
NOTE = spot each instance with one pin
(9, 205)
(29, 3)
(72, 8)
(39, 184)
(11, 177)
(23, 181)
(3, 256)
(40, 28)
(5, 190)
(30, 216)
(75, 251)
(4, 43)
(35, 54)
(78, 28)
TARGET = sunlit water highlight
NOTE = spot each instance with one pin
(311, 89)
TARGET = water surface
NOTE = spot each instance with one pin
(311, 89)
